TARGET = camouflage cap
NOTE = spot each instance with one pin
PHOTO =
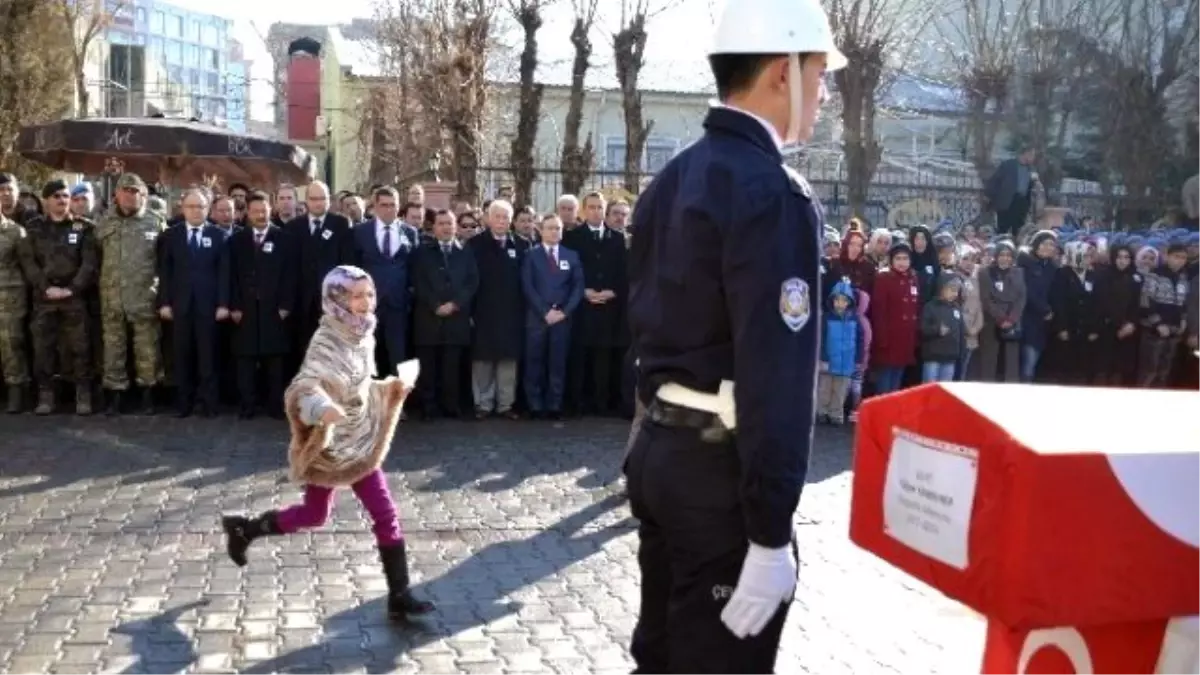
(155, 204)
(131, 180)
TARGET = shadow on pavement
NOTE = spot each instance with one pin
(463, 602)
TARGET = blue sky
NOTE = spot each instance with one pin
(680, 33)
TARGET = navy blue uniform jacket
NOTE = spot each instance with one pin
(724, 276)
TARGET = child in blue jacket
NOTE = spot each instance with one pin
(841, 353)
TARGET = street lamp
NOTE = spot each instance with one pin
(435, 163)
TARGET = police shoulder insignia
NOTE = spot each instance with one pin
(793, 304)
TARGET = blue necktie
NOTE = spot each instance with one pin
(194, 240)
(387, 241)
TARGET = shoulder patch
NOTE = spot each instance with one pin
(793, 304)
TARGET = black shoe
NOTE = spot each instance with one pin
(183, 411)
(401, 602)
(147, 401)
(245, 414)
(113, 408)
(554, 416)
(240, 531)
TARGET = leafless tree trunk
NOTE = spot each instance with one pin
(577, 159)
(528, 14)
(1051, 69)
(435, 56)
(629, 55)
(870, 33)
(85, 19)
(1155, 45)
(35, 80)
(983, 37)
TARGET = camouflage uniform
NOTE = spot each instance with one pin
(13, 309)
(128, 288)
(61, 254)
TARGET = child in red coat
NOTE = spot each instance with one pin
(895, 318)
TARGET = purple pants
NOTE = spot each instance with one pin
(371, 490)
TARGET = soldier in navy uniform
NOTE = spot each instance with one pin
(724, 277)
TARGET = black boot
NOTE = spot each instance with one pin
(114, 403)
(148, 401)
(15, 393)
(240, 531)
(401, 601)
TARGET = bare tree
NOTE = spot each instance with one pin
(982, 38)
(871, 33)
(577, 159)
(85, 19)
(1151, 51)
(434, 54)
(528, 14)
(629, 57)
(35, 79)
(1053, 65)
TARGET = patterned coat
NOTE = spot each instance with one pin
(337, 371)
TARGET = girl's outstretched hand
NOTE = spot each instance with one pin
(332, 415)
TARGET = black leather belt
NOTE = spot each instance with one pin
(677, 417)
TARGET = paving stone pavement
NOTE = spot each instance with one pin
(111, 558)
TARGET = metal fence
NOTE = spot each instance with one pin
(900, 194)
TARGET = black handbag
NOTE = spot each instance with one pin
(1010, 334)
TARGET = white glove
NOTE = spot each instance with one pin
(768, 579)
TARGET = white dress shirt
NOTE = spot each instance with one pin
(398, 237)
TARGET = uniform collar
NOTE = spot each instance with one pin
(744, 123)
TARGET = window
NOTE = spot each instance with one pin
(195, 78)
(174, 52)
(177, 26)
(141, 16)
(658, 153)
(139, 39)
(195, 34)
(159, 23)
(176, 74)
(212, 59)
(211, 35)
(214, 83)
(614, 155)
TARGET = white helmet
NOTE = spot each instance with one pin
(776, 27)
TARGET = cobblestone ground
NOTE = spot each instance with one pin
(111, 558)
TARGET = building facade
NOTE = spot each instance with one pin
(195, 50)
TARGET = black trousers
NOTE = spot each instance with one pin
(589, 378)
(194, 350)
(692, 543)
(306, 323)
(248, 370)
(441, 378)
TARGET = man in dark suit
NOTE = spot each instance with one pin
(382, 247)
(444, 279)
(552, 279)
(499, 305)
(324, 241)
(1009, 192)
(193, 295)
(600, 326)
(264, 269)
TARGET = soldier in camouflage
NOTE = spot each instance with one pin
(60, 260)
(13, 304)
(128, 238)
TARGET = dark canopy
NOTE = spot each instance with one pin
(169, 151)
